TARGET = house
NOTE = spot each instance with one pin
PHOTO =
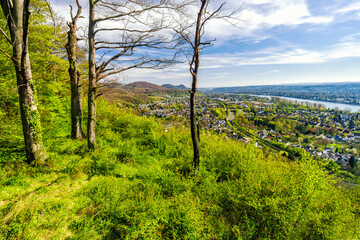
(356, 135)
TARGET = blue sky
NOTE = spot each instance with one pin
(279, 42)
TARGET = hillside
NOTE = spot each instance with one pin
(116, 92)
(133, 93)
(139, 183)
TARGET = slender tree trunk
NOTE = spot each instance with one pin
(76, 107)
(193, 126)
(194, 70)
(17, 14)
(76, 99)
(92, 80)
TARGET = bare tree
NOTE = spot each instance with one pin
(192, 32)
(17, 15)
(135, 26)
(75, 77)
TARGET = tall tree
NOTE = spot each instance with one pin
(192, 32)
(92, 89)
(75, 77)
(17, 15)
(136, 25)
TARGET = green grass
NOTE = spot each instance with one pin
(139, 184)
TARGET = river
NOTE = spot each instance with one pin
(328, 105)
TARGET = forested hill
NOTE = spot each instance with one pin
(181, 86)
(134, 93)
(136, 180)
(145, 86)
(337, 92)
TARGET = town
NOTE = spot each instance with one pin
(296, 128)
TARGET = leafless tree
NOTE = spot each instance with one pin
(136, 26)
(17, 15)
(192, 33)
(75, 77)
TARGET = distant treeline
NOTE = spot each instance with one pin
(334, 92)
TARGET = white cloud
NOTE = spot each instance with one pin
(349, 8)
(271, 72)
(259, 15)
(282, 13)
(284, 55)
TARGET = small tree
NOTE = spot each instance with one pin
(192, 35)
(17, 15)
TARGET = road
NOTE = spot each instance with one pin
(231, 116)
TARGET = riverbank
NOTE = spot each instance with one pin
(329, 105)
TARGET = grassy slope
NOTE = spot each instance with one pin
(139, 184)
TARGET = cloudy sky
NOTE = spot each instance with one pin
(279, 42)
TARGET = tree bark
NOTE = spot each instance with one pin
(76, 99)
(92, 79)
(17, 15)
(193, 128)
(194, 70)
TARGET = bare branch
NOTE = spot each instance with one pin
(185, 37)
(138, 65)
(211, 16)
(127, 30)
(4, 34)
(102, 67)
(6, 54)
(51, 15)
(78, 11)
(130, 13)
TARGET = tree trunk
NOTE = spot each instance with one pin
(76, 106)
(194, 128)
(194, 70)
(17, 14)
(92, 79)
(76, 99)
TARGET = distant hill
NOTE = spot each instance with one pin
(136, 92)
(180, 87)
(144, 86)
